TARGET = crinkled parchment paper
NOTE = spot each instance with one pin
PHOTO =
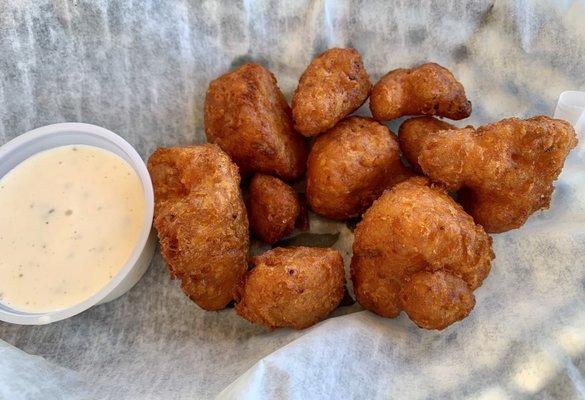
(141, 68)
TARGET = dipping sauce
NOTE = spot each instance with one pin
(69, 220)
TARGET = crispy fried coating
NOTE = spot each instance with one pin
(505, 170)
(201, 221)
(412, 131)
(334, 85)
(417, 250)
(292, 287)
(247, 115)
(350, 166)
(434, 300)
(273, 208)
(428, 89)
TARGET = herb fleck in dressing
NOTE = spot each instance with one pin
(69, 219)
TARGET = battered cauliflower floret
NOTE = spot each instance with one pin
(428, 89)
(293, 287)
(350, 166)
(273, 208)
(334, 85)
(504, 171)
(247, 115)
(201, 221)
(417, 251)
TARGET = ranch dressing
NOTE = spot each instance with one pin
(69, 220)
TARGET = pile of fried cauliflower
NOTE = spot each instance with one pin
(422, 244)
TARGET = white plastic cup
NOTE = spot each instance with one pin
(571, 108)
(51, 136)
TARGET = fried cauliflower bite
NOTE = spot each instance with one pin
(201, 221)
(273, 208)
(247, 115)
(504, 171)
(417, 250)
(428, 89)
(411, 133)
(334, 85)
(350, 166)
(293, 287)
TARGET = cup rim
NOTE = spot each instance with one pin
(572, 99)
(136, 162)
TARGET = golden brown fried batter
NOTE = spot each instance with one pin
(247, 115)
(201, 221)
(412, 131)
(434, 300)
(273, 208)
(292, 287)
(505, 170)
(428, 89)
(350, 166)
(417, 250)
(333, 86)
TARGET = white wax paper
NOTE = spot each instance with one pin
(141, 68)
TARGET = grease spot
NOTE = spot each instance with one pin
(417, 35)
(451, 337)
(461, 53)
